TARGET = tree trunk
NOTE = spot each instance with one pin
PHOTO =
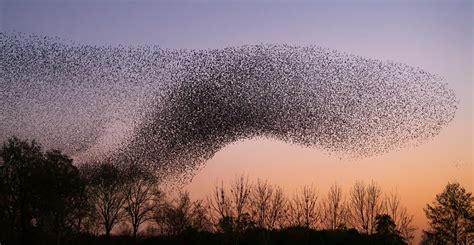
(456, 233)
(135, 230)
(107, 231)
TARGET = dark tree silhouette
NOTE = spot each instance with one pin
(385, 225)
(304, 208)
(399, 214)
(221, 210)
(261, 200)
(64, 192)
(45, 199)
(335, 211)
(268, 205)
(278, 209)
(233, 208)
(107, 191)
(22, 162)
(430, 238)
(175, 217)
(40, 191)
(451, 216)
(182, 214)
(365, 203)
(141, 195)
(201, 220)
(240, 192)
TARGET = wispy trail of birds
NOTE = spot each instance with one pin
(174, 109)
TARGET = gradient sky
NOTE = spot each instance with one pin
(434, 35)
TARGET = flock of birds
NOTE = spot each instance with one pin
(172, 110)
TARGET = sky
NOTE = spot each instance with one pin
(436, 36)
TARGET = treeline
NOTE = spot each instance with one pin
(46, 199)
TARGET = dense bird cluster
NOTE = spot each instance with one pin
(174, 109)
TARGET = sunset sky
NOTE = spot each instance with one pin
(436, 36)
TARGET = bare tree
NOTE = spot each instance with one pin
(358, 207)
(335, 211)
(269, 205)
(374, 204)
(261, 203)
(240, 194)
(278, 209)
(399, 214)
(140, 196)
(220, 204)
(176, 216)
(105, 188)
(85, 219)
(200, 216)
(231, 209)
(304, 208)
(365, 203)
(182, 214)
